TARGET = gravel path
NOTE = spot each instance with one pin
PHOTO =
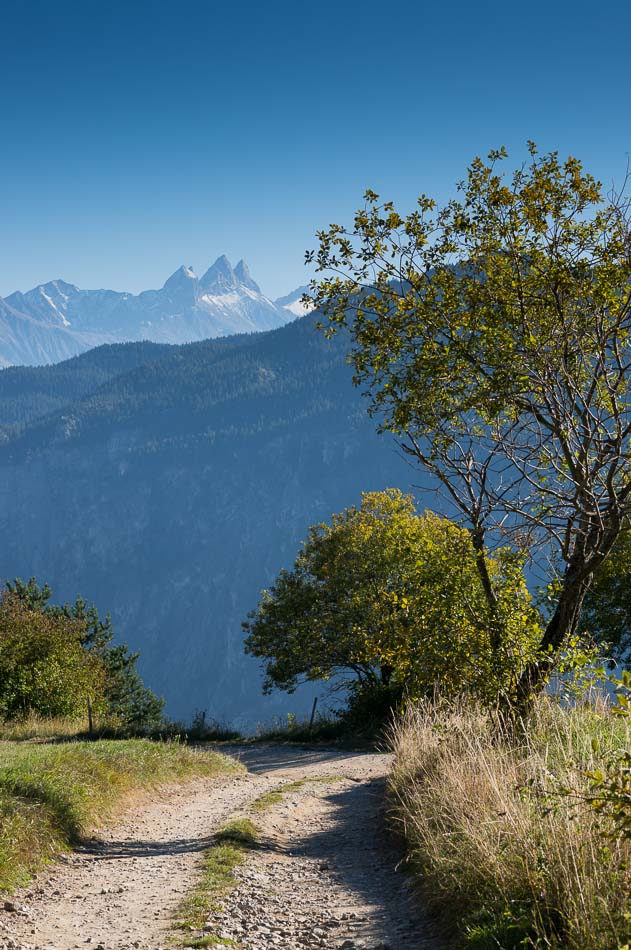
(325, 875)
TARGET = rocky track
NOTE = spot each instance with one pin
(325, 874)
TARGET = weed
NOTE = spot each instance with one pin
(229, 849)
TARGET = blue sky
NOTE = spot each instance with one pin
(136, 136)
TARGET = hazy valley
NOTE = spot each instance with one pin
(169, 484)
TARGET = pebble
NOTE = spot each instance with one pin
(319, 880)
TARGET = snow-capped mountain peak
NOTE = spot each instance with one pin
(182, 287)
(293, 302)
(48, 302)
(57, 319)
(180, 276)
(220, 278)
(242, 273)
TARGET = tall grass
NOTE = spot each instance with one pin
(40, 727)
(34, 727)
(50, 795)
(505, 847)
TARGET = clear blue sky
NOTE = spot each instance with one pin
(137, 135)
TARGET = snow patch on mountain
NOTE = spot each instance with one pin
(293, 302)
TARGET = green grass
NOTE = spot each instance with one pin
(40, 728)
(269, 799)
(52, 794)
(325, 729)
(230, 848)
(208, 941)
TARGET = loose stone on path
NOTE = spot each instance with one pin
(324, 876)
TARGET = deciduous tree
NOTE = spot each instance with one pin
(43, 666)
(126, 701)
(493, 335)
(394, 597)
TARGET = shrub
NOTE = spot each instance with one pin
(44, 668)
(125, 704)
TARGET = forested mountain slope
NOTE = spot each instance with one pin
(169, 484)
(29, 392)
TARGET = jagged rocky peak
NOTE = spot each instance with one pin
(225, 301)
(242, 273)
(220, 278)
(53, 290)
(182, 276)
(62, 286)
(181, 287)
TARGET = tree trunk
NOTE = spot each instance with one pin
(495, 629)
(560, 627)
(386, 673)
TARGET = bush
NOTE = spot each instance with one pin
(44, 668)
(124, 705)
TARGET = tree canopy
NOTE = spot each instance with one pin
(606, 611)
(493, 335)
(392, 596)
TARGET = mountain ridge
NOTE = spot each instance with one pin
(170, 484)
(57, 320)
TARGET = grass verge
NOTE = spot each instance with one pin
(230, 847)
(508, 858)
(51, 794)
(33, 727)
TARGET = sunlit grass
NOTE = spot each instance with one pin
(505, 856)
(52, 794)
(37, 727)
(230, 848)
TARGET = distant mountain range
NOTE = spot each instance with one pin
(169, 484)
(57, 320)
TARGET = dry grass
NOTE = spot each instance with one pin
(36, 727)
(509, 860)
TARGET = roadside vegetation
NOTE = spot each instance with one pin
(509, 836)
(492, 337)
(60, 662)
(230, 847)
(52, 794)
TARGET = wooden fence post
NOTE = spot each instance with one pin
(313, 712)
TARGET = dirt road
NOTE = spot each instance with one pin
(325, 875)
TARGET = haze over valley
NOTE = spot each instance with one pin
(169, 484)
